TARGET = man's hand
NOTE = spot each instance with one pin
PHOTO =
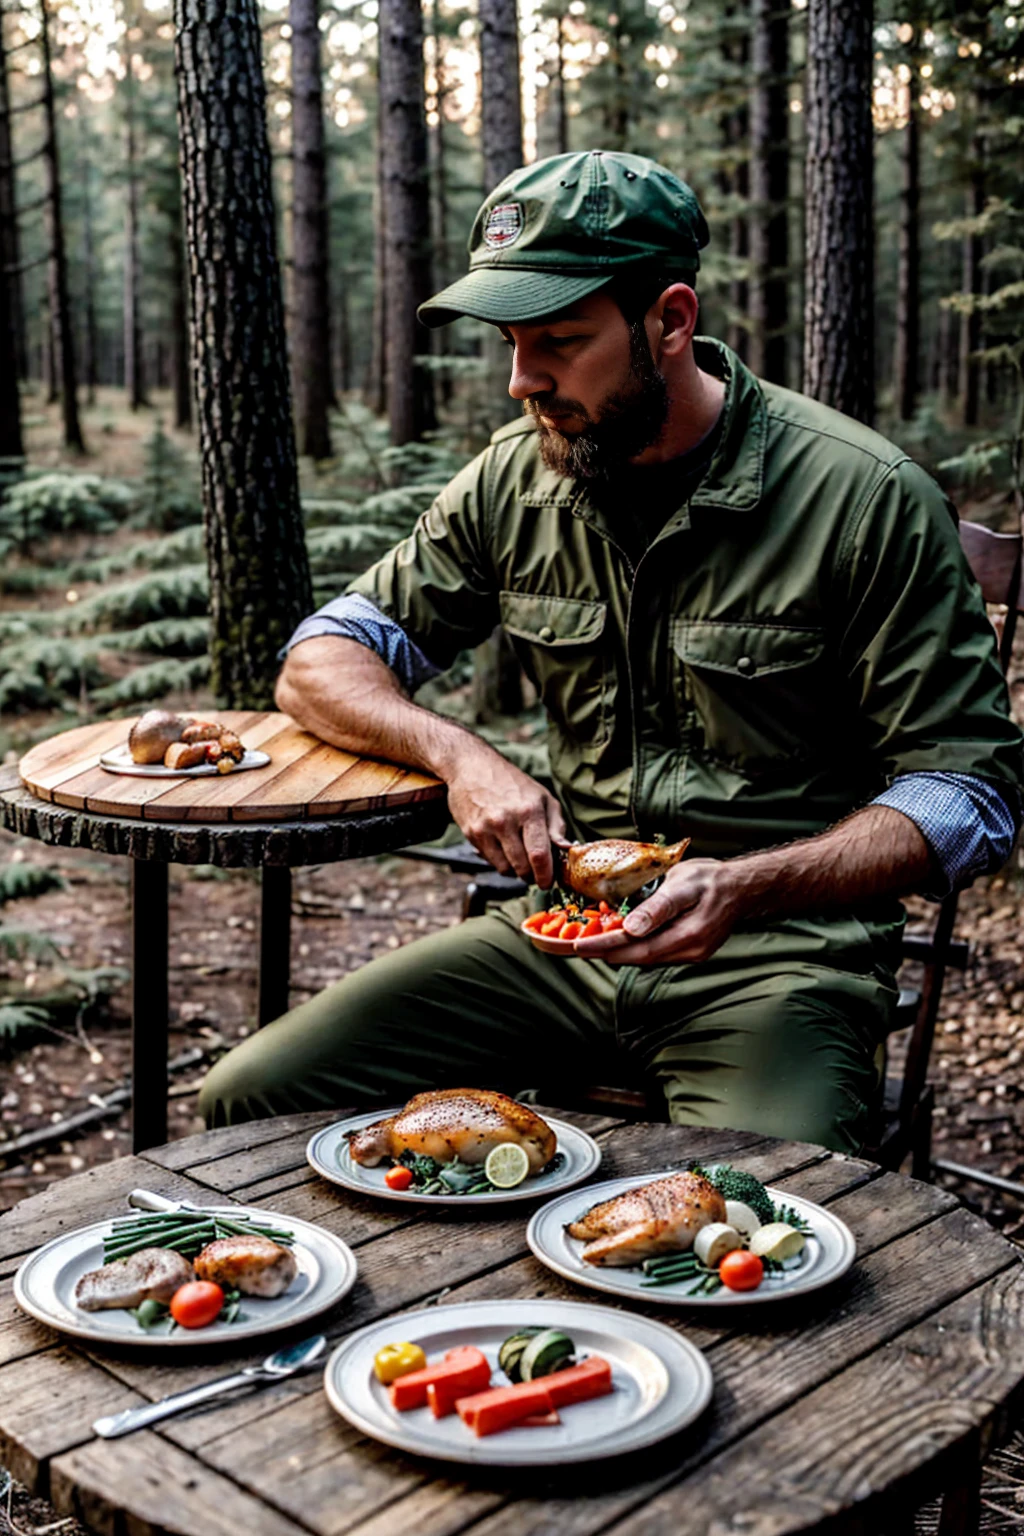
(690, 915)
(507, 816)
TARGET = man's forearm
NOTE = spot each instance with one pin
(343, 693)
(874, 853)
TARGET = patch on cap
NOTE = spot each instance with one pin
(504, 225)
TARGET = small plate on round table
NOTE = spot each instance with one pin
(661, 1383)
(120, 760)
(44, 1287)
(829, 1252)
(328, 1153)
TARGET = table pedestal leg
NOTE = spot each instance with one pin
(275, 942)
(149, 1004)
(961, 1506)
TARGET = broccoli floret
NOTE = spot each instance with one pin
(734, 1184)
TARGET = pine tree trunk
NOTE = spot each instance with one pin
(908, 295)
(970, 323)
(181, 365)
(406, 216)
(561, 106)
(375, 393)
(90, 357)
(769, 191)
(10, 257)
(259, 573)
(739, 230)
(342, 335)
(839, 292)
(501, 134)
(63, 342)
(439, 200)
(134, 363)
(311, 303)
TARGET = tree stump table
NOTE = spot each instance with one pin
(836, 1413)
(312, 804)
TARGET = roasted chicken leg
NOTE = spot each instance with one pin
(613, 869)
(451, 1123)
(662, 1217)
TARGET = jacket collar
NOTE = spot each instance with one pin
(735, 476)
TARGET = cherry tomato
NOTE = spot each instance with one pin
(571, 930)
(590, 913)
(537, 921)
(593, 927)
(603, 907)
(196, 1304)
(554, 925)
(398, 1177)
(610, 922)
(741, 1271)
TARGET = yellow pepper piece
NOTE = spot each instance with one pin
(396, 1360)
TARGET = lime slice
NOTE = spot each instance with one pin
(507, 1165)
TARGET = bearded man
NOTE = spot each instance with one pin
(750, 623)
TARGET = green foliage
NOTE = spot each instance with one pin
(167, 637)
(19, 881)
(182, 547)
(20, 1022)
(153, 682)
(169, 497)
(38, 672)
(180, 593)
(60, 502)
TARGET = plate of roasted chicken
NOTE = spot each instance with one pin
(165, 745)
(455, 1146)
(170, 1273)
(700, 1236)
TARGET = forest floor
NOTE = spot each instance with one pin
(347, 914)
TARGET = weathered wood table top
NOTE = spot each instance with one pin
(846, 1408)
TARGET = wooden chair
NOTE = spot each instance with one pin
(905, 1122)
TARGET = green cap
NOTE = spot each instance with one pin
(554, 231)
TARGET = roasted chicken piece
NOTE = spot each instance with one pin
(613, 869)
(662, 1217)
(465, 1123)
(253, 1265)
(152, 1274)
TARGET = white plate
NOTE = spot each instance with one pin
(44, 1287)
(662, 1382)
(120, 760)
(829, 1252)
(328, 1153)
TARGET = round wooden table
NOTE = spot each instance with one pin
(312, 804)
(843, 1410)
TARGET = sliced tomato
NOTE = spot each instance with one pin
(594, 926)
(610, 922)
(603, 907)
(464, 1370)
(553, 925)
(537, 921)
(571, 930)
(590, 913)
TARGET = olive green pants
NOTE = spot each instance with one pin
(778, 1032)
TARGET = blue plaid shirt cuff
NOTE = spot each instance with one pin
(355, 618)
(966, 822)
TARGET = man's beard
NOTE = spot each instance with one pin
(629, 421)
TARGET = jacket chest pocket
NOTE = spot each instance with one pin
(560, 642)
(754, 696)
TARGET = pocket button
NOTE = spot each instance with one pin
(546, 633)
(747, 665)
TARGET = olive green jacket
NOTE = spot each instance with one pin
(803, 629)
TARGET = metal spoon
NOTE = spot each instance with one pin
(283, 1362)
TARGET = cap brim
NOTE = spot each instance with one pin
(509, 295)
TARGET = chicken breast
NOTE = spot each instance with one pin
(662, 1217)
(467, 1123)
(152, 1274)
(613, 869)
(253, 1265)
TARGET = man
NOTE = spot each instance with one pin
(750, 623)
